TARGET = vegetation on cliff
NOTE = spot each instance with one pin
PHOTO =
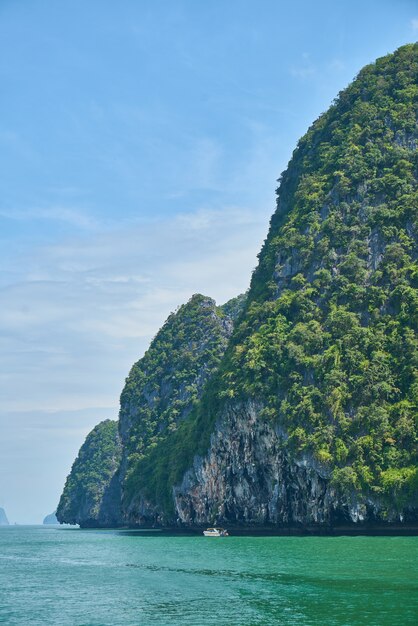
(328, 338)
(160, 392)
(325, 342)
(90, 476)
(167, 382)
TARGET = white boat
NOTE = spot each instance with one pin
(215, 532)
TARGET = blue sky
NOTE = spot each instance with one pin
(140, 146)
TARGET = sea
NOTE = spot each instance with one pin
(74, 577)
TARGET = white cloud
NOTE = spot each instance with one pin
(79, 313)
(337, 65)
(74, 217)
(304, 69)
(82, 311)
(41, 446)
(414, 24)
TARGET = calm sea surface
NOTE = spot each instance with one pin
(75, 577)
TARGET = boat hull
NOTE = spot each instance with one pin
(215, 532)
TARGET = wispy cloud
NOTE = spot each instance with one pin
(414, 24)
(337, 65)
(304, 68)
(11, 140)
(80, 312)
(44, 443)
(71, 216)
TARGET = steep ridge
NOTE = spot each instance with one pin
(311, 419)
(165, 385)
(160, 391)
(92, 480)
(307, 416)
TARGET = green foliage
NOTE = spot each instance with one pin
(328, 335)
(91, 473)
(165, 385)
(234, 307)
(401, 484)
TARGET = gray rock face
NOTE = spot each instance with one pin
(50, 519)
(249, 478)
(3, 518)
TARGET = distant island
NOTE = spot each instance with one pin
(51, 519)
(3, 518)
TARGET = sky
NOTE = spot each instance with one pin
(140, 145)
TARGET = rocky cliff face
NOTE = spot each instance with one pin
(306, 414)
(313, 417)
(165, 385)
(250, 478)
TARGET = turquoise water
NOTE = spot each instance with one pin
(79, 578)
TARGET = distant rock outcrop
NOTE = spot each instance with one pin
(51, 519)
(3, 518)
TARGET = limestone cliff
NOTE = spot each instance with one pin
(250, 478)
(165, 385)
(160, 392)
(312, 417)
(305, 414)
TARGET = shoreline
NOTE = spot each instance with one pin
(409, 530)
